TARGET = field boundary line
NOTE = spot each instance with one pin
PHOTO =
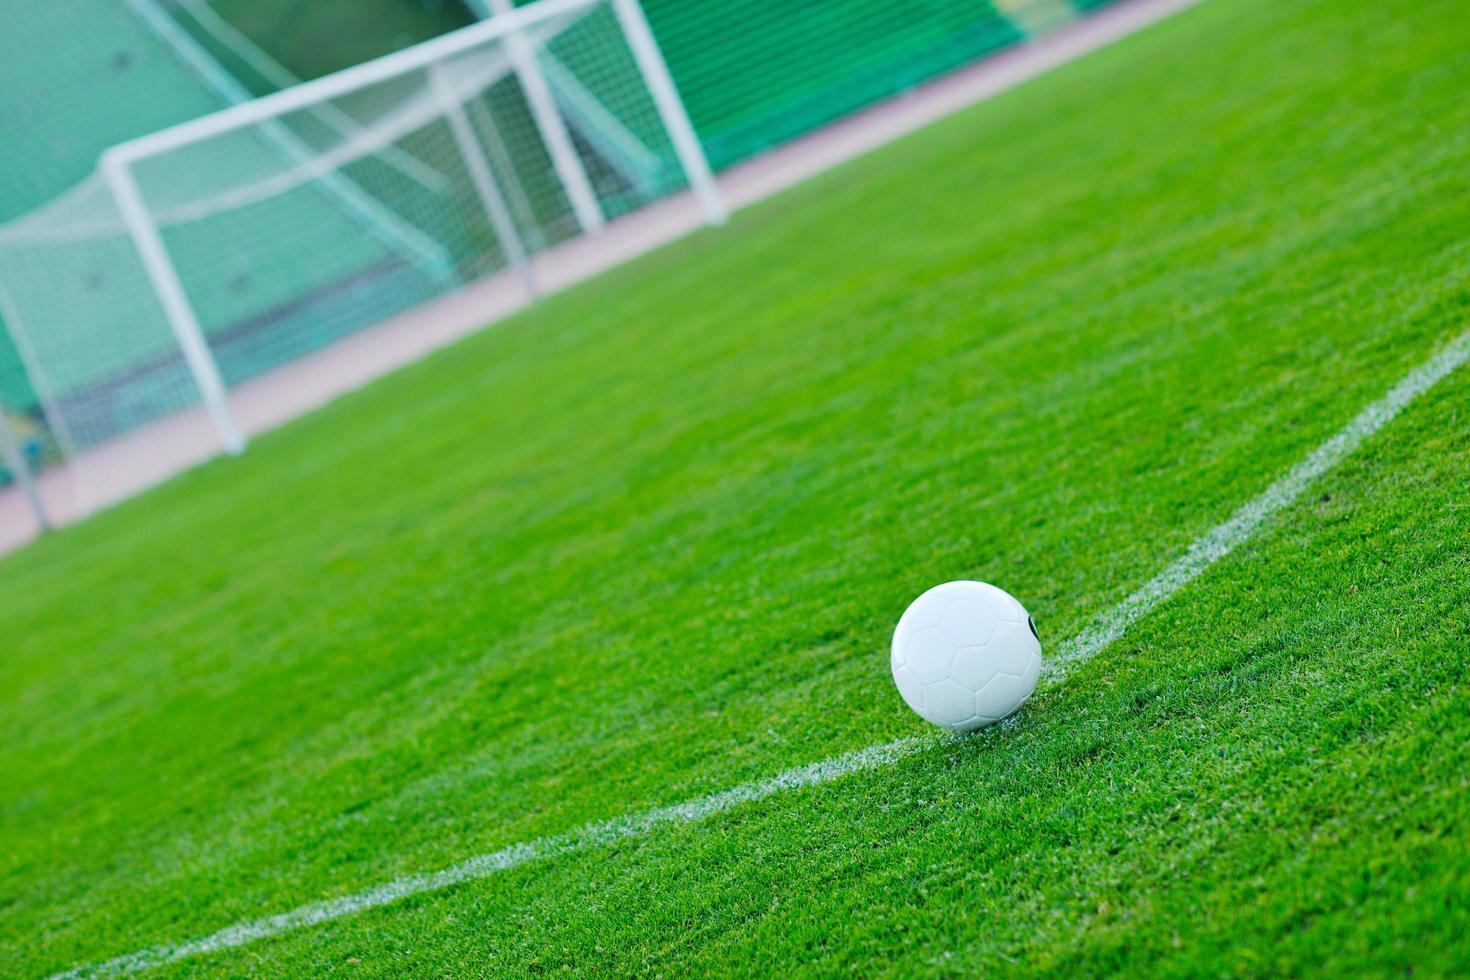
(1225, 537)
(1107, 627)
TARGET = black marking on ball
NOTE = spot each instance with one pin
(1032, 623)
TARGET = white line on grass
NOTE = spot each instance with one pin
(1224, 538)
(1209, 548)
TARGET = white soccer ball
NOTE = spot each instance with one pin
(965, 655)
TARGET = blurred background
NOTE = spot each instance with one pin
(301, 228)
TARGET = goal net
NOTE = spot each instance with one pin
(205, 255)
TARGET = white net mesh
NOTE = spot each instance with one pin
(89, 328)
(297, 228)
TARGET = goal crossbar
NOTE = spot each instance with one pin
(331, 86)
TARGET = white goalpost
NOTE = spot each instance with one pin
(479, 170)
(226, 246)
(176, 306)
(549, 122)
(661, 84)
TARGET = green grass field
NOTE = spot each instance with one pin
(648, 540)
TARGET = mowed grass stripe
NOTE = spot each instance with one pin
(1203, 553)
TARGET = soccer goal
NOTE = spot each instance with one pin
(217, 250)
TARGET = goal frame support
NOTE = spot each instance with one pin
(396, 235)
(549, 122)
(482, 177)
(118, 173)
(670, 106)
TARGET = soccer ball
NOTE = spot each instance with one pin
(965, 655)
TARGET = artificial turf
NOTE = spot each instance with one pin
(647, 540)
